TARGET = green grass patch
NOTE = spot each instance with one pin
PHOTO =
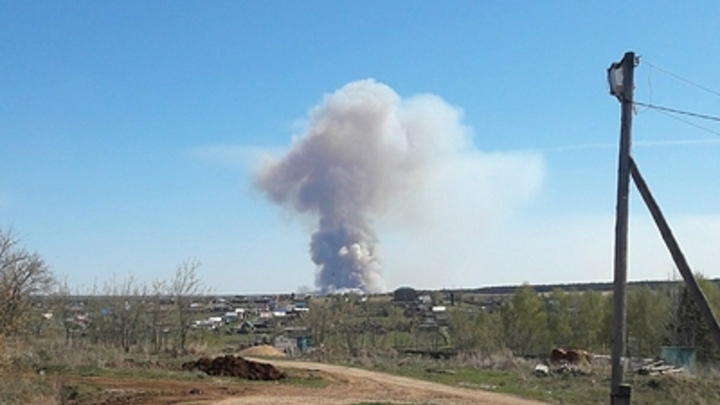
(593, 389)
(504, 381)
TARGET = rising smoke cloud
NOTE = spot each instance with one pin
(365, 150)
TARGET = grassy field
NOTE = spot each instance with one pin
(591, 387)
(499, 373)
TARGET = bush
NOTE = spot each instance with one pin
(21, 381)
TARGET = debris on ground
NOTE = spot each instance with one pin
(570, 369)
(231, 366)
(659, 367)
(541, 370)
(565, 369)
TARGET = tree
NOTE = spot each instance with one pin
(689, 327)
(396, 324)
(21, 275)
(62, 310)
(463, 330)
(476, 331)
(525, 322)
(333, 324)
(182, 289)
(587, 320)
(120, 318)
(158, 315)
(346, 326)
(318, 321)
(558, 318)
(647, 314)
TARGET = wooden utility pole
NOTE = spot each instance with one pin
(676, 253)
(621, 80)
(620, 394)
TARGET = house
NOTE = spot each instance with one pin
(230, 317)
(404, 295)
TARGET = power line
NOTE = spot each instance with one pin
(688, 81)
(669, 112)
(692, 124)
(650, 88)
(676, 111)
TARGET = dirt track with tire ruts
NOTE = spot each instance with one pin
(352, 386)
(337, 385)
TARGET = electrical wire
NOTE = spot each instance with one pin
(688, 81)
(676, 111)
(650, 92)
(670, 112)
(692, 124)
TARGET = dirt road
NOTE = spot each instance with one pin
(351, 386)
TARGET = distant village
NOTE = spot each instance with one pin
(279, 319)
(267, 319)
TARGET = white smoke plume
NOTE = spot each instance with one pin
(364, 150)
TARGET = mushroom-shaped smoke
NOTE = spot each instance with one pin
(363, 148)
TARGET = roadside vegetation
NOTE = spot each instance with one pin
(126, 329)
(505, 373)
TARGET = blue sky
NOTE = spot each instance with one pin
(130, 131)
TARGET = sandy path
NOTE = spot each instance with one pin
(354, 385)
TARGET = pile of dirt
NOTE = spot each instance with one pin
(231, 366)
(262, 351)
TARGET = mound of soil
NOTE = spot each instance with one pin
(231, 366)
(262, 350)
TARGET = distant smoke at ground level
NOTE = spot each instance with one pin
(347, 259)
(369, 155)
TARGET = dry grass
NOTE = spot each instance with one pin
(390, 360)
(503, 372)
(30, 373)
(500, 360)
(20, 382)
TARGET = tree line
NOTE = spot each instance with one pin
(34, 304)
(529, 323)
(526, 323)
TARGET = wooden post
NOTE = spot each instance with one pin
(620, 394)
(676, 253)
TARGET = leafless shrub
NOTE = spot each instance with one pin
(21, 275)
(183, 288)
